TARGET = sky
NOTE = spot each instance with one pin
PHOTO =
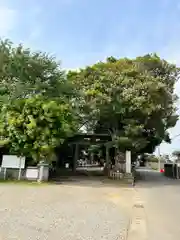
(82, 32)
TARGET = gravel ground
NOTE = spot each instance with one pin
(85, 210)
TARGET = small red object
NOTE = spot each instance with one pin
(162, 170)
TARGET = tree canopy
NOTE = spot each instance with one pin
(133, 100)
(34, 127)
(36, 112)
(24, 73)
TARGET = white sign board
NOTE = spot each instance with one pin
(12, 161)
(32, 173)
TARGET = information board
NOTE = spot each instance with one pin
(12, 161)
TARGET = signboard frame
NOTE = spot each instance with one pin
(13, 162)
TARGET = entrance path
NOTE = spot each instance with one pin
(73, 210)
(161, 200)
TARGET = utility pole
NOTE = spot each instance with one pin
(159, 159)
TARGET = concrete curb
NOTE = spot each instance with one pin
(137, 229)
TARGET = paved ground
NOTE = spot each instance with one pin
(161, 197)
(80, 210)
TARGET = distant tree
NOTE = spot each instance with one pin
(152, 158)
(176, 154)
(165, 158)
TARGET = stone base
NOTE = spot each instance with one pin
(129, 177)
(125, 177)
(43, 172)
(116, 175)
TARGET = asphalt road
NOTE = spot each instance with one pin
(161, 199)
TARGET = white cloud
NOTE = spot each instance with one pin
(8, 19)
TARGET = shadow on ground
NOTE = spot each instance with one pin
(95, 182)
(90, 177)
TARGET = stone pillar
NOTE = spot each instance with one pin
(43, 172)
(128, 161)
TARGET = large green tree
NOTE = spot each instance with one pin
(34, 127)
(132, 99)
(36, 102)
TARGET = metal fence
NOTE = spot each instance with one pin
(172, 170)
